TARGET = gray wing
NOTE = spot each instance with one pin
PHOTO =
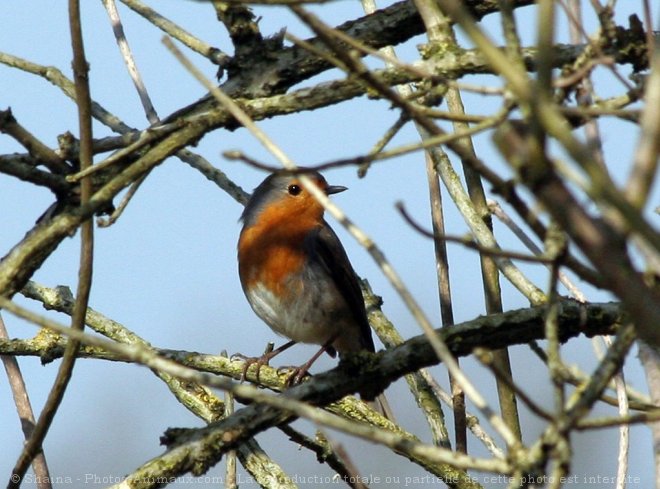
(333, 257)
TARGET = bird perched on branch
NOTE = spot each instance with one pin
(296, 274)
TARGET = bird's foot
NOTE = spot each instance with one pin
(299, 373)
(294, 374)
(260, 361)
(249, 361)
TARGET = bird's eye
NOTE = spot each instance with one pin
(294, 189)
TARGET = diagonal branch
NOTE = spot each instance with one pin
(38, 150)
(285, 67)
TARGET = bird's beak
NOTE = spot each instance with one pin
(334, 189)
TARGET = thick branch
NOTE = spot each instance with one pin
(495, 331)
(204, 447)
(283, 68)
(200, 449)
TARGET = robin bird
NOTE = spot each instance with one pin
(296, 275)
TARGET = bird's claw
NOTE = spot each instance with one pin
(294, 374)
(249, 361)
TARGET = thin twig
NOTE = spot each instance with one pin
(24, 410)
(444, 292)
(129, 61)
(214, 54)
(472, 421)
(582, 399)
(499, 212)
(486, 357)
(585, 87)
(618, 421)
(42, 153)
(384, 54)
(382, 142)
(353, 474)
(470, 243)
(230, 470)
(645, 166)
(145, 99)
(624, 429)
(144, 138)
(57, 78)
(103, 222)
(420, 383)
(323, 450)
(427, 143)
(650, 359)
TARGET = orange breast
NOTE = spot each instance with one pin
(271, 249)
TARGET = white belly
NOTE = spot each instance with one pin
(303, 317)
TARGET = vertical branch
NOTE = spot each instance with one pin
(554, 246)
(444, 290)
(439, 30)
(442, 263)
(419, 384)
(584, 97)
(230, 471)
(650, 358)
(80, 71)
(83, 97)
(545, 43)
(510, 32)
(645, 167)
(624, 429)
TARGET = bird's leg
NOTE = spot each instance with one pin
(299, 372)
(262, 360)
